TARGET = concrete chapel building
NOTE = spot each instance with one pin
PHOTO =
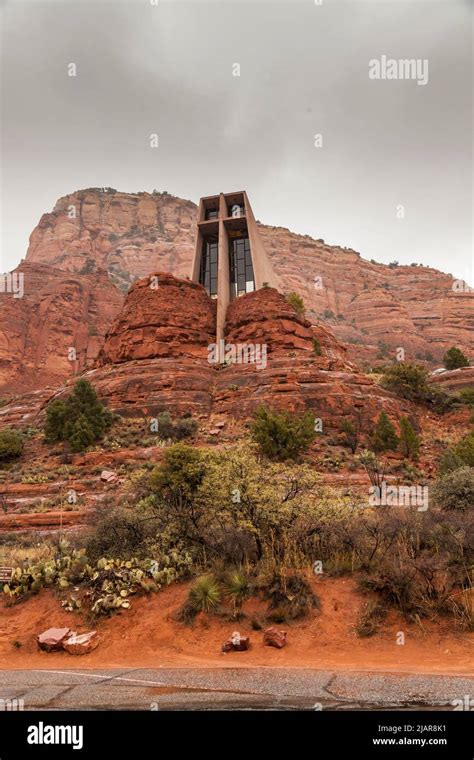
(229, 258)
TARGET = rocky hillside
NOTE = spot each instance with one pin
(84, 255)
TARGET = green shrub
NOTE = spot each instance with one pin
(177, 479)
(352, 431)
(385, 436)
(316, 346)
(459, 455)
(455, 490)
(231, 505)
(297, 302)
(454, 358)
(80, 419)
(289, 597)
(409, 440)
(282, 436)
(449, 462)
(464, 449)
(120, 533)
(11, 444)
(407, 380)
(370, 617)
(183, 428)
(467, 396)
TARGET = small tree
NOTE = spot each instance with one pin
(385, 436)
(79, 419)
(352, 430)
(454, 358)
(409, 440)
(455, 491)
(282, 436)
(464, 449)
(297, 302)
(11, 444)
(373, 467)
(407, 380)
(177, 479)
(80, 434)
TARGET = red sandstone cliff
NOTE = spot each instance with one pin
(371, 307)
(155, 358)
(60, 312)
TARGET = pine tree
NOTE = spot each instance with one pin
(282, 436)
(385, 436)
(454, 358)
(81, 434)
(80, 418)
(56, 415)
(409, 440)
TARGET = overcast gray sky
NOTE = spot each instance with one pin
(167, 68)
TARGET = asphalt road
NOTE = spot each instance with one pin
(229, 689)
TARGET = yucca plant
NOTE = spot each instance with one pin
(205, 595)
(463, 606)
(237, 588)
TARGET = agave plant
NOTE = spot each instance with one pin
(205, 594)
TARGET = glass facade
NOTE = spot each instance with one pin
(241, 270)
(208, 273)
(236, 210)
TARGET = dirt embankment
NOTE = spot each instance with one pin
(147, 636)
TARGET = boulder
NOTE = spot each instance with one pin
(82, 643)
(108, 476)
(236, 643)
(274, 638)
(52, 639)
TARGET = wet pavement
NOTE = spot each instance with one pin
(230, 689)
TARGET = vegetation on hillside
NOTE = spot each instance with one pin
(11, 444)
(282, 436)
(454, 358)
(80, 418)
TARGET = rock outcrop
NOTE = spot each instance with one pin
(163, 317)
(56, 329)
(156, 357)
(99, 237)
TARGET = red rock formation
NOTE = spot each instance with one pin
(155, 358)
(59, 311)
(162, 317)
(299, 374)
(161, 337)
(70, 303)
(129, 234)
(455, 380)
(417, 308)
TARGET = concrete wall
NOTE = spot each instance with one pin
(262, 268)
